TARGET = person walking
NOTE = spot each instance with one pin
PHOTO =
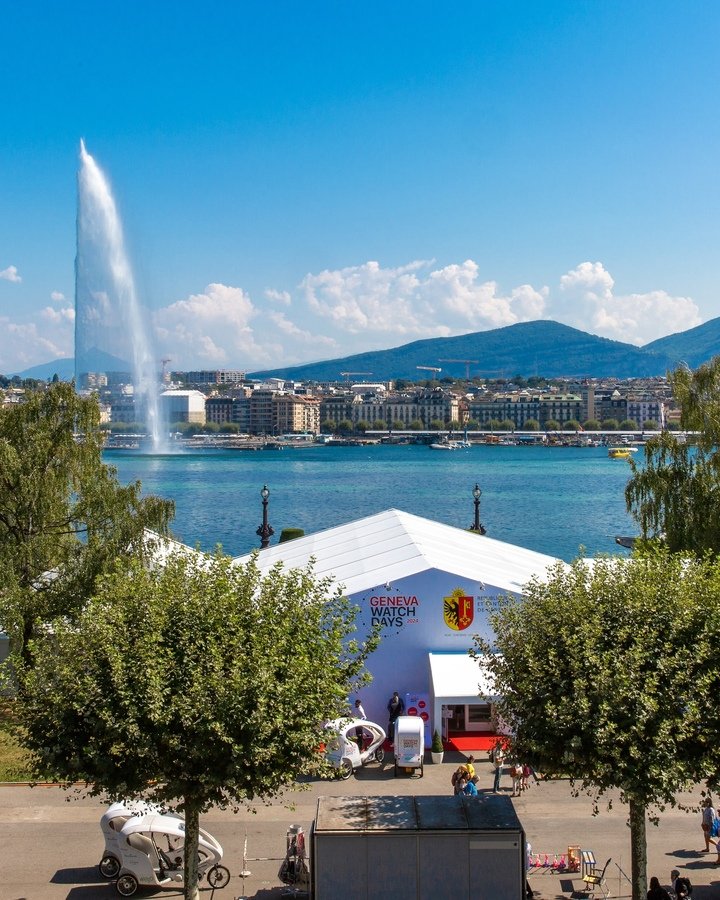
(359, 731)
(395, 707)
(709, 823)
(657, 892)
(681, 885)
(498, 758)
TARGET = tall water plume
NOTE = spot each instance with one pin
(109, 321)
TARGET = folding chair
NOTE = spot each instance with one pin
(595, 878)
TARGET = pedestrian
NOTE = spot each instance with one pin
(657, 892)
(359, 731)
(498, 758)
(525, 784)
(459, 779)
(709, 823)
(395, 707)
(681, 885)
(470, 766)
(469, 789)
(516, 775)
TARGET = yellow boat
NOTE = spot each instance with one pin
(621, 452)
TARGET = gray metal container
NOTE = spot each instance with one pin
(417, 848)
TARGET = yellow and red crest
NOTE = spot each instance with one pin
(458, 610)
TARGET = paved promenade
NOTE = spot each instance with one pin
(50, 845)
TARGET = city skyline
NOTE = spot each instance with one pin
(305, 183)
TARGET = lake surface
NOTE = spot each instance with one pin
(550, 499)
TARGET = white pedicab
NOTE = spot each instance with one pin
(151, 854)
(356, 743)
(111, 823)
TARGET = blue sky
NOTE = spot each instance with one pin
(306, 180)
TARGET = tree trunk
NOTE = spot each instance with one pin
(638, 850)
(192, 833)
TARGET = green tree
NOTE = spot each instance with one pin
(531, 425)
(591, 425)
(601, 671)
(399, 425)
(629, 425)
(437, 425)
(379, 425)
(344, 426)
(674, 495)
(572, 425)
(362, 426)
(650, 425)
(327, 426)
(610, 425)
(64, 517)
(416, 425)
(197, 684)
(507, 425)
(552, 425)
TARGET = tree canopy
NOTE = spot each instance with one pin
(200, 683)
(674, 493)
(608, 672)
(64, 517)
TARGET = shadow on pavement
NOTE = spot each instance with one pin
(78, 875)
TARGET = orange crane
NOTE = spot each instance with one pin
(467, 365)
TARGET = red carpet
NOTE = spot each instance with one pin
(467, 742)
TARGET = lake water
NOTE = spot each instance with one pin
(550, 499)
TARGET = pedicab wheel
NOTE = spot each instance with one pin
(218, 876)
(126, 885)
(345, 770)
(109, 867)
(379, 754)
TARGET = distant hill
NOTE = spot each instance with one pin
(693, 347)
(528, 348)
(65, 368)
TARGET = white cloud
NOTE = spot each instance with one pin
(410, 301)
(588, 301)
(282, 297)
(57, 297)
(213, 329)
(24, 344)
(10, 274)
(58, 316)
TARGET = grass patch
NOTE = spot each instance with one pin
(14, 761)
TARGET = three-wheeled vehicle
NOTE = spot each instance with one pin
(151, 854)
(356, 742)
(409, 744)
(111, 823)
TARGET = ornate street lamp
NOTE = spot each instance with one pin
(477, 525)
(265, 531)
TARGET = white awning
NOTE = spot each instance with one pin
(457, 678)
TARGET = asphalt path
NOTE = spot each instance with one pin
(50, 839)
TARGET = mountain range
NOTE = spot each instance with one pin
(528, 348)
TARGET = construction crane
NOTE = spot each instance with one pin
(433, 369)
(467, 365)
(348, 374)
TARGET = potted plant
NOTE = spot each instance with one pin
(436, 748)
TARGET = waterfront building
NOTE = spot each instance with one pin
(229, 409)
(646, 409)
(183, 406)
(211, 376)
(293, 414)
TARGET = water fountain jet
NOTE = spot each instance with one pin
(108, 315)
